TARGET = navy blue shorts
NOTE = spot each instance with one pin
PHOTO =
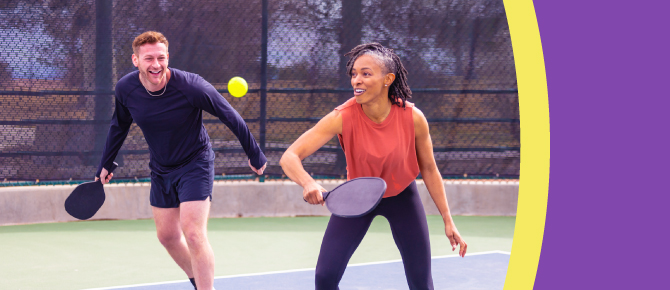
(192, 182)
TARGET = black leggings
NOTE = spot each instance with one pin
(410, 231)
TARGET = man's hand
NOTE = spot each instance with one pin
(455, 238)
(258, 171)
(104, 176)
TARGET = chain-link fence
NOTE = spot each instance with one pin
(60, 61)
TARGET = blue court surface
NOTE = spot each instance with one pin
(484, 270)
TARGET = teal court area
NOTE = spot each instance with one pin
(251, 253)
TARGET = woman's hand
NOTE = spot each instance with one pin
(455, 238)
(312, 192)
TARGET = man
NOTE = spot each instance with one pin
(167, 104)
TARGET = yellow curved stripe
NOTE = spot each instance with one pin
(534, 116)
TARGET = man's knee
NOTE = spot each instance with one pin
(195, 236)
(194, 221)
(169, 238)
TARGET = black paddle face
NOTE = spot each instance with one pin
(355, 197)
(86, 199)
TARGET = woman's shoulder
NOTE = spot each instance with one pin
(411, 111)
(348, 104)
(419, 119)
(407, 103)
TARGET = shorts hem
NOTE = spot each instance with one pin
(162, 206)
(199, 198)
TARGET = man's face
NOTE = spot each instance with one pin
(152, 62)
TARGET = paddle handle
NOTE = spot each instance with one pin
(325, 195)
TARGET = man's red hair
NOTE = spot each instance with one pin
(148, 37)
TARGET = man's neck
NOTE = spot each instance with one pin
(153, 88)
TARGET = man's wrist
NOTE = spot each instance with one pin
(258, 161)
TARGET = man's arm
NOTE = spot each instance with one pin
(208, 99)
(118, 131)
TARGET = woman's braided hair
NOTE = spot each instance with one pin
(390, 63)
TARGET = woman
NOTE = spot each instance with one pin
(384, 136)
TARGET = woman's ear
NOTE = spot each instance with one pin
(388, 79)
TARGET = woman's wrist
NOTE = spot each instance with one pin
(447, 218)
(305, 180)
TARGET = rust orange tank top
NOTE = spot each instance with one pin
(383, 150)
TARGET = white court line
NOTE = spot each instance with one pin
(434, 257)
(295, 270)
(138, 285)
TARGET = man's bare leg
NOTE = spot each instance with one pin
(170, 235)
(194, 215)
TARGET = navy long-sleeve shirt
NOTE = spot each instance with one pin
(172, 123)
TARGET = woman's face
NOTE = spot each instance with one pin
(368, 80)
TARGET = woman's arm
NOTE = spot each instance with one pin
(306, 145)
(433, 179)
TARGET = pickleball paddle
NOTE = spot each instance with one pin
(87, 198)
(355, 197)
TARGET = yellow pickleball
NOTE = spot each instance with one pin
(237, 87)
